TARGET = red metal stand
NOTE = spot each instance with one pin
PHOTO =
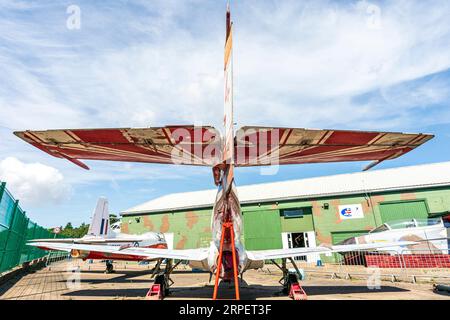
(155, 293)
(297, 292)
(227, 227)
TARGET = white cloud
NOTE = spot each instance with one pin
(34, 183)
(162, 65)
(297, 63)
(311, 65)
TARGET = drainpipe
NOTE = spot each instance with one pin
(369, 197)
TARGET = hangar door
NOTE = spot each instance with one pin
(402, 210)
(262, 230)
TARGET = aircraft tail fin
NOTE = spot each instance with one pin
(228, 152)
(100, 219)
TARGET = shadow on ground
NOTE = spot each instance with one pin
(325, 290)
(119, 277)
(226, 291)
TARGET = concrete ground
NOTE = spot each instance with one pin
(132, 281)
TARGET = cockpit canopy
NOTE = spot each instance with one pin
(115, 227)
(405, 224)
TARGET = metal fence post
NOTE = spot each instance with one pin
(31, 251)
(25, 237)
(2, 189)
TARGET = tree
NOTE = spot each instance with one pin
(68, 226)
(70, 232)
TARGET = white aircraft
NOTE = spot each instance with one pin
(99, 235)
(430, 235)
(226, 257)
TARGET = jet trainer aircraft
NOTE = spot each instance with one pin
(206, 146)
(431, 236)
(99, 235)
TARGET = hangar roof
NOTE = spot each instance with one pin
(404, 178)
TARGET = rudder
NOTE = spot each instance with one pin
(100, 220)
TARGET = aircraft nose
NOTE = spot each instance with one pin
(347, 242)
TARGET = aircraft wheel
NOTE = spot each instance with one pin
(109, 267)
(161, 280)
(290, 279)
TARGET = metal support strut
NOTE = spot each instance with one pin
(163, 282)
(227, 227)
(290, 281)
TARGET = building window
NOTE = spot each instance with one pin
(295, 213)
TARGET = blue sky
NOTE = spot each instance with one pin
(369, 65)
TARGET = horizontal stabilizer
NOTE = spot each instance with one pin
(180, 145)
(257, 146)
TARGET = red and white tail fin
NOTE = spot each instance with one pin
(228, 152)
(228, 121)
(100, 220)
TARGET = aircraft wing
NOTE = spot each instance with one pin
(87, 241)
(186, 145)
(258, 146)
(62, 240)
(191, 255)
(187, 254)
(297, 252)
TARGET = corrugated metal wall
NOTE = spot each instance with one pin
(15, 230)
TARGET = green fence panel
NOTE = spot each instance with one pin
(15, 230)
(7, 204)
(10, 251)
(25, 249)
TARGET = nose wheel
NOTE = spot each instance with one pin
(161, 286)
(163, 282)
(109, 267)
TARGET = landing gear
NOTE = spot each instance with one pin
(163, 282)
(157, 268)
(290, 281)
(109, 267)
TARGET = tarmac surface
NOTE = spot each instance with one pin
(131, 281)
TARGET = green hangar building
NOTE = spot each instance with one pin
(305, 212)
